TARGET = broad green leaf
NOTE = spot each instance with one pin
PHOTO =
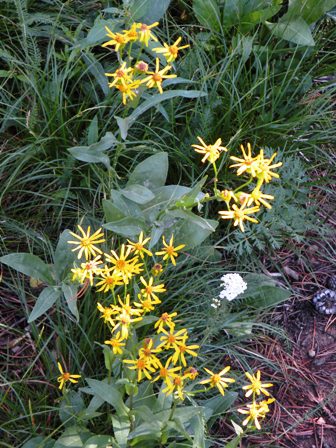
(193, 229)
(148, 11)
(121, 429)
(111, 212)
(97, 33)
(93, 131)
(296, 31)
(247, 14)
(39, 442)
(97, 71)
(262, 292)
(110, 394)
(234, 443)
(308, 10)
(147, 431)
(70, 295)
(137, 193)
(189, 199)
(63, 256)
(74, 437)
(218, 405)
(128, 227)
(208, 13)
(151, 173)
(95, 152)
(126, 123)
(45, 301)
(29, 264)
(100, 442)
(71, 407)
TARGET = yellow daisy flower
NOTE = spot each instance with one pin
(181, 350)
(122, 265)
(248, 163)
(258, 198)
(132, 34)
(150, 290)
(86, 242)
(66, 376)
(175, 385)
(109, 280)
(139, 247)
(91, 268)
(256, 411)
(156, 78)
(211, 152)
(169, 251)
(173, 340)
(145, 33)
(171, 51)
(165, 319)
(239, 215)
(107, 313)
(166, 371)
(116, 344)
(128, 90)
(142, 366)
(148, 352)
(217, 379)
(265, 174)
(117, 39)
(256, 386)
(121, 75)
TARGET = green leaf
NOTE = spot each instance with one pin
(97, 33)
(234, 443)
(111, 212)
(110, 394)
(126, 123)
(95, 152)
(296, 31)
(71, 407)
(70, 295)
(208, 13)
(308, 10)
(246, 14)
(218, 405)
(121, 429)
(100, 442)
(63, 256)
(73, 437)
(30, 265)
(148, 11)
(193, 229)
(147, 431)
(189, 199)
(128, 227)
(39, 442)
(97, 71)
(137, 193)
(262, 292)
(45, 301)
(93, 131)
(151, 173)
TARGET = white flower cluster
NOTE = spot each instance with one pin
(215, 303)
(233, 285)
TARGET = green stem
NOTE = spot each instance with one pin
(244, 185)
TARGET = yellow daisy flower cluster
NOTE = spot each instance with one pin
(240, 204)
(118, 268)
(256, 410)
(131, 79)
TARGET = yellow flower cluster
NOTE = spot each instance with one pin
(120, 267)
(240, 205)
(256, 410)
(129, 78)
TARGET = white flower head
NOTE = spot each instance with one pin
(215, 303)
(233, 285)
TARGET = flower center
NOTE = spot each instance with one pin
(120, 264)
(173, 50)
(157, 77)
(171, 339)
(170, 250)
(141, 364)
(66, 376)
(165, 317)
